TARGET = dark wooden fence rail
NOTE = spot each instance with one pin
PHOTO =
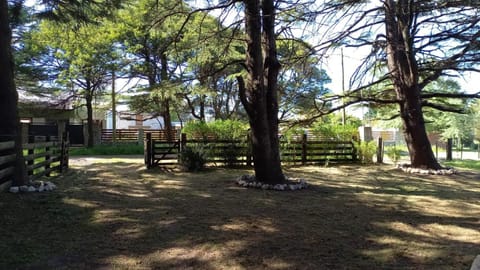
(230, 152)
(41, 158)
(238, 152)
(317, 151)
(7, 159)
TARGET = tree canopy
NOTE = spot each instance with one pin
(203, 59)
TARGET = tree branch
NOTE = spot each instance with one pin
(443, 107)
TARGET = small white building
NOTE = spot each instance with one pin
(125, 119)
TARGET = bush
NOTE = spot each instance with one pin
(229, 129)
(230, 155)
(366, 151)
(192, 158)
(335, 131)
(220, 129)
(197, 129)
(393, 153)
(293, 134)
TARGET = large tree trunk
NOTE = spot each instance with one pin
(404, 73)
(90, 131)
(167, 118)
(10, 128)
(259, 94)
(114, 109)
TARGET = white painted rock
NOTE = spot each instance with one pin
(31, 189)
(14, 189)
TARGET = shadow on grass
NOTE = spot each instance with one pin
(119, 215)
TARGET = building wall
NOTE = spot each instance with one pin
(156, 123)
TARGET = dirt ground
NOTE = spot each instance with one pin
(112, 213)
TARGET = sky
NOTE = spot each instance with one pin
(470, 81)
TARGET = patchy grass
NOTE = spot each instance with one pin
(108, 149)
(465, 164)
(114, 214)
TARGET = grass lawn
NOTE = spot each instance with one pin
(115, 214)
(108, 149)
(466, 163)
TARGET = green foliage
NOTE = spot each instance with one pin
(220, 129)
(230, 155)
(450, 125)
(393, 153)
(366, 151)
(300, 83)
(335, 131)
(229, 129)
(294, 133)
(192, 158)
(108, 149)
(467, 164)
(197, 129)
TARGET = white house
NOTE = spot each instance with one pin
(125, 119)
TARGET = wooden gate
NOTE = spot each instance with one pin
(160, 152)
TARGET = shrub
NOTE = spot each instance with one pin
(335, 131)
(197, 129)
(366, 151)
(393, 153)
(192, 158)
(220, 129)
(293, 134)
(229, 129)
(230, 155)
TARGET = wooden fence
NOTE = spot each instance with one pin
(41, 158)
(134, 135)
(7, 159)
(238, 152)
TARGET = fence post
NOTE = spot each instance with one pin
(249, 149)
(141, 135)
(461, 149)
(354, 149)
(147, 150)
(30, 151)
(379, 150)
(183, 142)
(304, 149)
(64, 152)
(449, 149)
(48, 139)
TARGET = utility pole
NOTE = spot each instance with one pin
(114, 109)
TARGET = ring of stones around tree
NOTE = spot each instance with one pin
(249, 181)
(408, 169)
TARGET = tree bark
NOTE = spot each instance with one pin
(167, 118)
(89, 99)
(403, 70)
(10, 128)
(259, 93)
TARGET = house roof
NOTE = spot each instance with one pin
(44, 100)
